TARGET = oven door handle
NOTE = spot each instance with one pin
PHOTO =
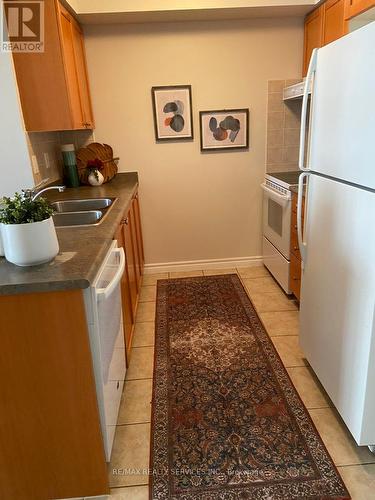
(282, 199)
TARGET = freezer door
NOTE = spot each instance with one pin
(342, 121)
(338, 299)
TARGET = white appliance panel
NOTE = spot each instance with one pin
(277, 210)
(342, 121)
(277, 264)
(338, 299)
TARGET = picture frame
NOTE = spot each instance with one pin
(224, 129)
(172, 109)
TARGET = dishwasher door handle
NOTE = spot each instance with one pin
(104, 293)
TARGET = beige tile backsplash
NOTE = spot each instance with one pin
(283, 124)
(41, 144)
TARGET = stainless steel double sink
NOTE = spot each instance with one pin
(82, 212)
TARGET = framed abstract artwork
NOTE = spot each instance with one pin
(224, 129)
(172, 112)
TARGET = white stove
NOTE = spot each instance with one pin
(277, 211)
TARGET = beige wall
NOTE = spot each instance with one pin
(194, 206)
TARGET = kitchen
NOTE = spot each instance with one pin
(181, 213)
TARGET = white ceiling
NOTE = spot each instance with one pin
(138, 11)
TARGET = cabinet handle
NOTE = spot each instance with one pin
(118, 384)
(295, 248)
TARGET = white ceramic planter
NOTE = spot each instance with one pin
(30, 244)
(1, 244)
(94, 181)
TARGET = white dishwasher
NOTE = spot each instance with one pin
(105, 323)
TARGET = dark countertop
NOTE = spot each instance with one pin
(82, 249)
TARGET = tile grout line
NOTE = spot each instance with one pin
(133, 379)
(133, 423)
(127, 486)
(356, 465)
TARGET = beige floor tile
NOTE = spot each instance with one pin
(214, 272)
(148, 293)
(265, 284)
(135, 405)
(253, 272)
(340, 444)
(281, 323)
(141, 363)
(145, 312)
(273, 301)
(185, 274)
(151, 279)
(289, 351)
(130, 455)
(144, 334)
(310, 390)
(130, 493)
(360, 481)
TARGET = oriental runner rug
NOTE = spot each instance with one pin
(227, 422)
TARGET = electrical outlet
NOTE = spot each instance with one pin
(35, 166)
(46, 161)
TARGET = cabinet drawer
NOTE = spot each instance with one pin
(295, 275)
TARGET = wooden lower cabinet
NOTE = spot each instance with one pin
(295, 256)
(50, 434)
(129, 236)
(295, 275)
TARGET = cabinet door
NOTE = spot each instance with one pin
(127, 312)
(130, 262)
(355, 7)
(334, 20)
(83, 82)
(138, 227)
(137, 259)
(70, 68)
(313, 35)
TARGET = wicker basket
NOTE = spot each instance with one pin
(95, 150)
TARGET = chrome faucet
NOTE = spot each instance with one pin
(38, 193)
(60, 188)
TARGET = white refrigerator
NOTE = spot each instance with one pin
(337, 243)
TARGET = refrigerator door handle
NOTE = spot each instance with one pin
(301, 242)
(308, 83)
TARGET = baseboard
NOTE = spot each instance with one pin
(197, 265)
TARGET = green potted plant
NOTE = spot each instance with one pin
(27, 229)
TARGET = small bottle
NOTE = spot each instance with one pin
(71, 178)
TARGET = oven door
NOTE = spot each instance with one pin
(277, 209)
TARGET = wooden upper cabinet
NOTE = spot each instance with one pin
(53, 85)
(355, 7)
(334, 20)
(313, 35)
(83, 81)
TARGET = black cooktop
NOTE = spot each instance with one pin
(290, 178)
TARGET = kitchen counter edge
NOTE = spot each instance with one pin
(82, 249)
